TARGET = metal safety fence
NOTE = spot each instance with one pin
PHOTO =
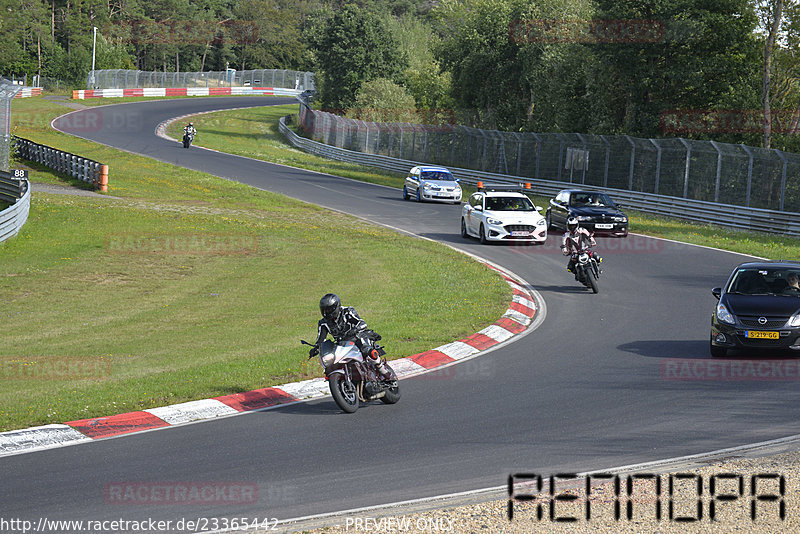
(746, 218)
(83, 169)
(694, 170)
(16, 192)
(8, 91)
(137, 79)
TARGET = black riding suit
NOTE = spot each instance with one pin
(349, 325)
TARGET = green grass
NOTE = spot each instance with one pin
(256, 135)
(87, 283)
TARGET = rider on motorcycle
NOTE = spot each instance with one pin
(577, 239)
(190, 129)
(342, 322)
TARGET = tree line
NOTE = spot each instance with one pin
(724, 70)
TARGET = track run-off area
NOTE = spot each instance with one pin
(600, 383)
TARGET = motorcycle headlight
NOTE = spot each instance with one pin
(723, 315)
(794, 320)
(494, 221)
(583, 258)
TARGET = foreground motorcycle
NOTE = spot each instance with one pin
(187, 139)
(587, 270)
(351, 379)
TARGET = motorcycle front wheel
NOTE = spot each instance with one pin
(592, 280)
(344, 393)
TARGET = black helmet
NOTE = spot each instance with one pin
(330, 306)
(572, 224)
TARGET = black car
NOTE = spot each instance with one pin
(759, 308)
(594, 210)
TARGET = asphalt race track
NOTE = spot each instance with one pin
(591, 388)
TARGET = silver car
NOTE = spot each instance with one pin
(432, 183)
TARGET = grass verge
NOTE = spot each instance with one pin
(189, 286)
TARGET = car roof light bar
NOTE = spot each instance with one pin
(521, 187)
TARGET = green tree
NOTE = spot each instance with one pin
(382, 100)
(423, 77)
(705, 52)
(275, 40)
(355, 47)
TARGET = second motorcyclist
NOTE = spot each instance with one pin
(342, 322)
(577, 239)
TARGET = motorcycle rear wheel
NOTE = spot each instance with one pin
(392, 394)
(344, 393)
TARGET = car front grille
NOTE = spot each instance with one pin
(519, 228)
(772, 322)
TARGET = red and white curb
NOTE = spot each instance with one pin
(517, 319)
(28, 92)
(83, 94)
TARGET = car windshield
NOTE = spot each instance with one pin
(590, 199)
(437, 175)
(509, 204)
(765, 281)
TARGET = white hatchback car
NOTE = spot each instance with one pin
(503, 214)
(432, 183)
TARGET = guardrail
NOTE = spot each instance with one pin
(84, 169)
(738, 217)
(18, 193)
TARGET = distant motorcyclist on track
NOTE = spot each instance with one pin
(190, 129)
(342, 322)
(577, 239)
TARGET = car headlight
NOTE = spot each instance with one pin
(723, 315)
(426, 186)
(541, 222)
(794, 320)
(493, 221)
(620, 219)
(583, 218)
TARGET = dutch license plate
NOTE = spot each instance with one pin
(761, 335)
(604, 226)
(520, 234)
(442, 194)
